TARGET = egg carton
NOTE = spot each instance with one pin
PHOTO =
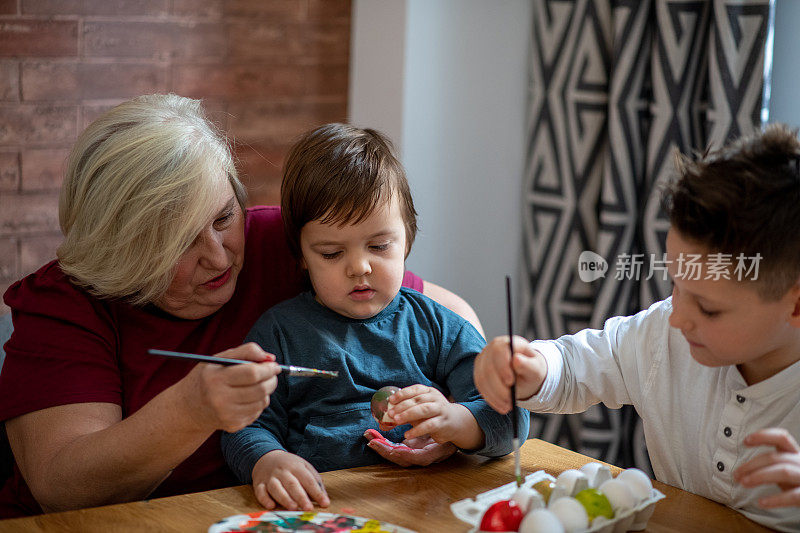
(471, 510)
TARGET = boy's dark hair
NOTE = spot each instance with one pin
(340, 174)
(745, 199)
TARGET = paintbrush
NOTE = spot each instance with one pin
(290, 370)
(514, 414)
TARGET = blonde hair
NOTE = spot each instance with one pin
(139, 183)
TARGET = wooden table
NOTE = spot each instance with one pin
(417, 498)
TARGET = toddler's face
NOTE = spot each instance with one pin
(726, 322)
(356, 269)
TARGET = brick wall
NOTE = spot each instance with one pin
(266, 70)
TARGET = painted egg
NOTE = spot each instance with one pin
(380, 404)
(545, 488)
(569, 483)
(639, 483)
(597, 474)
(504, 515)
(571, 514)
(596, 503)
(541, 521)
(528, 499)
(619, 495)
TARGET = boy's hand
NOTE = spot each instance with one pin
(781, 466)
(288, 480)
(432, 414)
(493, 373)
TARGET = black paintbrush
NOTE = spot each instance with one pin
(514, 414)
(288, 369)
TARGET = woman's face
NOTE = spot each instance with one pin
(205, 276)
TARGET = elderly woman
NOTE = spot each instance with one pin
(159, 252)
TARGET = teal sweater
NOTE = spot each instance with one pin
(413, 340)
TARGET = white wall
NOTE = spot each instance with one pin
(462, 129)
(784, 103)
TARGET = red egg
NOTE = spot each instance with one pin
(504, 515)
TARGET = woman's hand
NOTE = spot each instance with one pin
(231, 397)
(780, 466)
(494, 376)
(286, 479)
(419, 451)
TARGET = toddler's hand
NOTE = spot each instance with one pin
(288, 480)
(781, 466)
(493, 375)
(432, 414)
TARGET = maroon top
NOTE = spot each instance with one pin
(70, 347)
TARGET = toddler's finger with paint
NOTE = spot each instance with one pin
(404, 399)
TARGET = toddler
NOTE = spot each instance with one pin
(350, 220)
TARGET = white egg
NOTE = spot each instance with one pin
(541, 521)
(597, 474)
(639, 483)
(528, 499)
(619, 495)
(569, 483)
(571, 514)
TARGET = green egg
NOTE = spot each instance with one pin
(595, 503)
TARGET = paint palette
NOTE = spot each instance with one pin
(292, 521)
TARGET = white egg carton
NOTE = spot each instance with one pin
(471, 511)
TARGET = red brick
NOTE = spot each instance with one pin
(43, 170)
(37, 124)
(39, 38)
(324, 80)
(88, 81)
(156, 40)
(35, 251)
(259, 160)
(9, 171)
(90, 113)
(276, 11)
(217, 112)
(264, 40)
(324, 42)
(194, 9)
(8, 7)
(9, 81)
(50, 81)
(280, 123)
(260, 166)
(9, 259)
(94, 7)
(329, 10)
(238, 82)
(22, 214)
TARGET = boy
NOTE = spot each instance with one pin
(713, 371)
(350, 220)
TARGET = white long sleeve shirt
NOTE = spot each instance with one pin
(695, 417)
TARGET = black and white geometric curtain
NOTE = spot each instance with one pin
(615, 88)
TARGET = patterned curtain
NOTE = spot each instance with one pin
(616, 87)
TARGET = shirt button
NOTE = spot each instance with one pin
(720, 466)
(727, 431)
(740, 398)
